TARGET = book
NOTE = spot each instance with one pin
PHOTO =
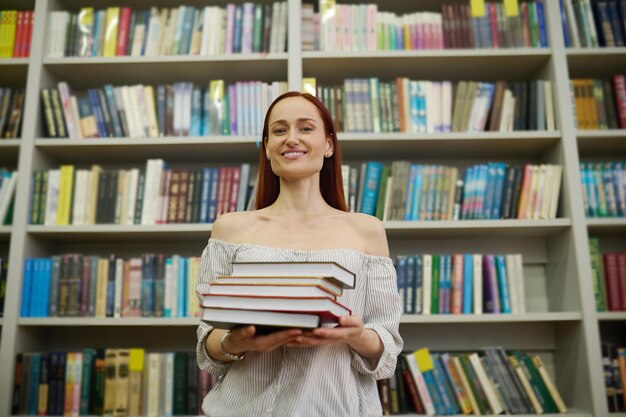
(270, 290)
(264, 321)
(323, 306)
(331, 270)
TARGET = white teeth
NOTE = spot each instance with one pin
(293, 153)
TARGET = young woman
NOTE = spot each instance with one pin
(302, 216)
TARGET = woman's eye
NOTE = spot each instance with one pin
(306, 129)
(278, 131)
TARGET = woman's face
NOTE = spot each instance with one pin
(296, 142)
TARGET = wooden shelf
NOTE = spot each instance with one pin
(607, 226)
(9, 151)
(166, 69)
(442, 64)
(133, 232)
(354, 146)
(601, 143)
(595, 62)
(489, 318)
(7, 62)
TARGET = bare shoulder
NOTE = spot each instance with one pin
(228, 226)
(372, 230)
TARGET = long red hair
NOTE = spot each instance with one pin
(331, 182)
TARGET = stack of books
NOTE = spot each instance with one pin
(277, 295)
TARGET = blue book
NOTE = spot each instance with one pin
(146, 17)
(147, 286)
(109, 92)
(167, 309)
(503, 285)
(401, 280)
(468, 283)
(419, 284)
(94, 101)
(27, 283)
(161, 108)
(45, 284)
(566, 35)
(110, 300)
(182, 288)
(33, 384)
(445, 388)
(417, 192)
(541, 23)
(410, 285)
(204, 195)
(489, 191)
(498, 197)
(196, 111)
(410, 192)
(206, 112)
(238, 28)
(36, 299)
(93, 281)
(465, 209)
(371, 187)
(215, 177)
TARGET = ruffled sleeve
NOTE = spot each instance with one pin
(216, 260)
(382, 314)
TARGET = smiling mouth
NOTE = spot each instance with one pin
(293, 154)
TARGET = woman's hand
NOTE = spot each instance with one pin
(244, 340)
(350, 331)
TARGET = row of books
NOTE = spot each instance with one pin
(11, 111)
(277, 295)
(8, 184)
(404, 105)
(16, 29)
(184, 30)
(461, 283)
(608, 271)
(599, 104)
(496, 190)
(604, 188)
(77, 285)
(4, 270)
(362, 27)
(109, 382)
(142, 111)
(614, 367)
(492, 381)
(592, 24)
(156, 195)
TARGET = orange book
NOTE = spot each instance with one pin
(525, 193)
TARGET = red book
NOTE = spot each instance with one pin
(234, 187)
(493, 23)
(19, 35)
(621, 266)
(122, 31)
(619, 88)
(411, 388)
(611, 275)
(30, 19)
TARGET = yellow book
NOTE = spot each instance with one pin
(423, 359)
(101, 287)
(110, 386)
(309, 85)
(135, 369)
(10, 32)
(65, 195)
(110, 34)
(4, 15)
(216, 91)
(194, 301)
(70, 374)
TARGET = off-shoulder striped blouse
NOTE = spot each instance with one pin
(331, 380)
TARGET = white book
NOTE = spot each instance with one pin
(490, 393)
(326, 307)
(511, 274)
(420, 384)
(52, 196)
(133, 128)
(427, 283)
(119, 200)
(77, 210)
(141, 109)
(75, 115)
(164, 19)
(265, 290)
(168, 33)
(333, 271)
(244, 180)
(539, 195)
(230, 318)
(153, 399)
(506, 104)
(478, 283)
(153, 126)
(519, 281)
(167, 296)
(547, 86)
(556, 191)
(148, 192)
(206, 28)
(139, 35)
(6, 195)
(446, 106)
(590, 23)
(65, 94)
(274, 28)
(119, 285)
(546, 200)
(571, 23)
(132, 196)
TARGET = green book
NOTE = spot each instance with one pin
(537, 384)
(382, 192)
(258, 28)
(597, 274)
(434, 307)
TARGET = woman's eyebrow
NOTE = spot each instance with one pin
(302, 119)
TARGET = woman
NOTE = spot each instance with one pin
(301, 216)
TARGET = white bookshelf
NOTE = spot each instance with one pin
(562, 324)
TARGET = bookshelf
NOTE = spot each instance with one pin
(561, 324)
